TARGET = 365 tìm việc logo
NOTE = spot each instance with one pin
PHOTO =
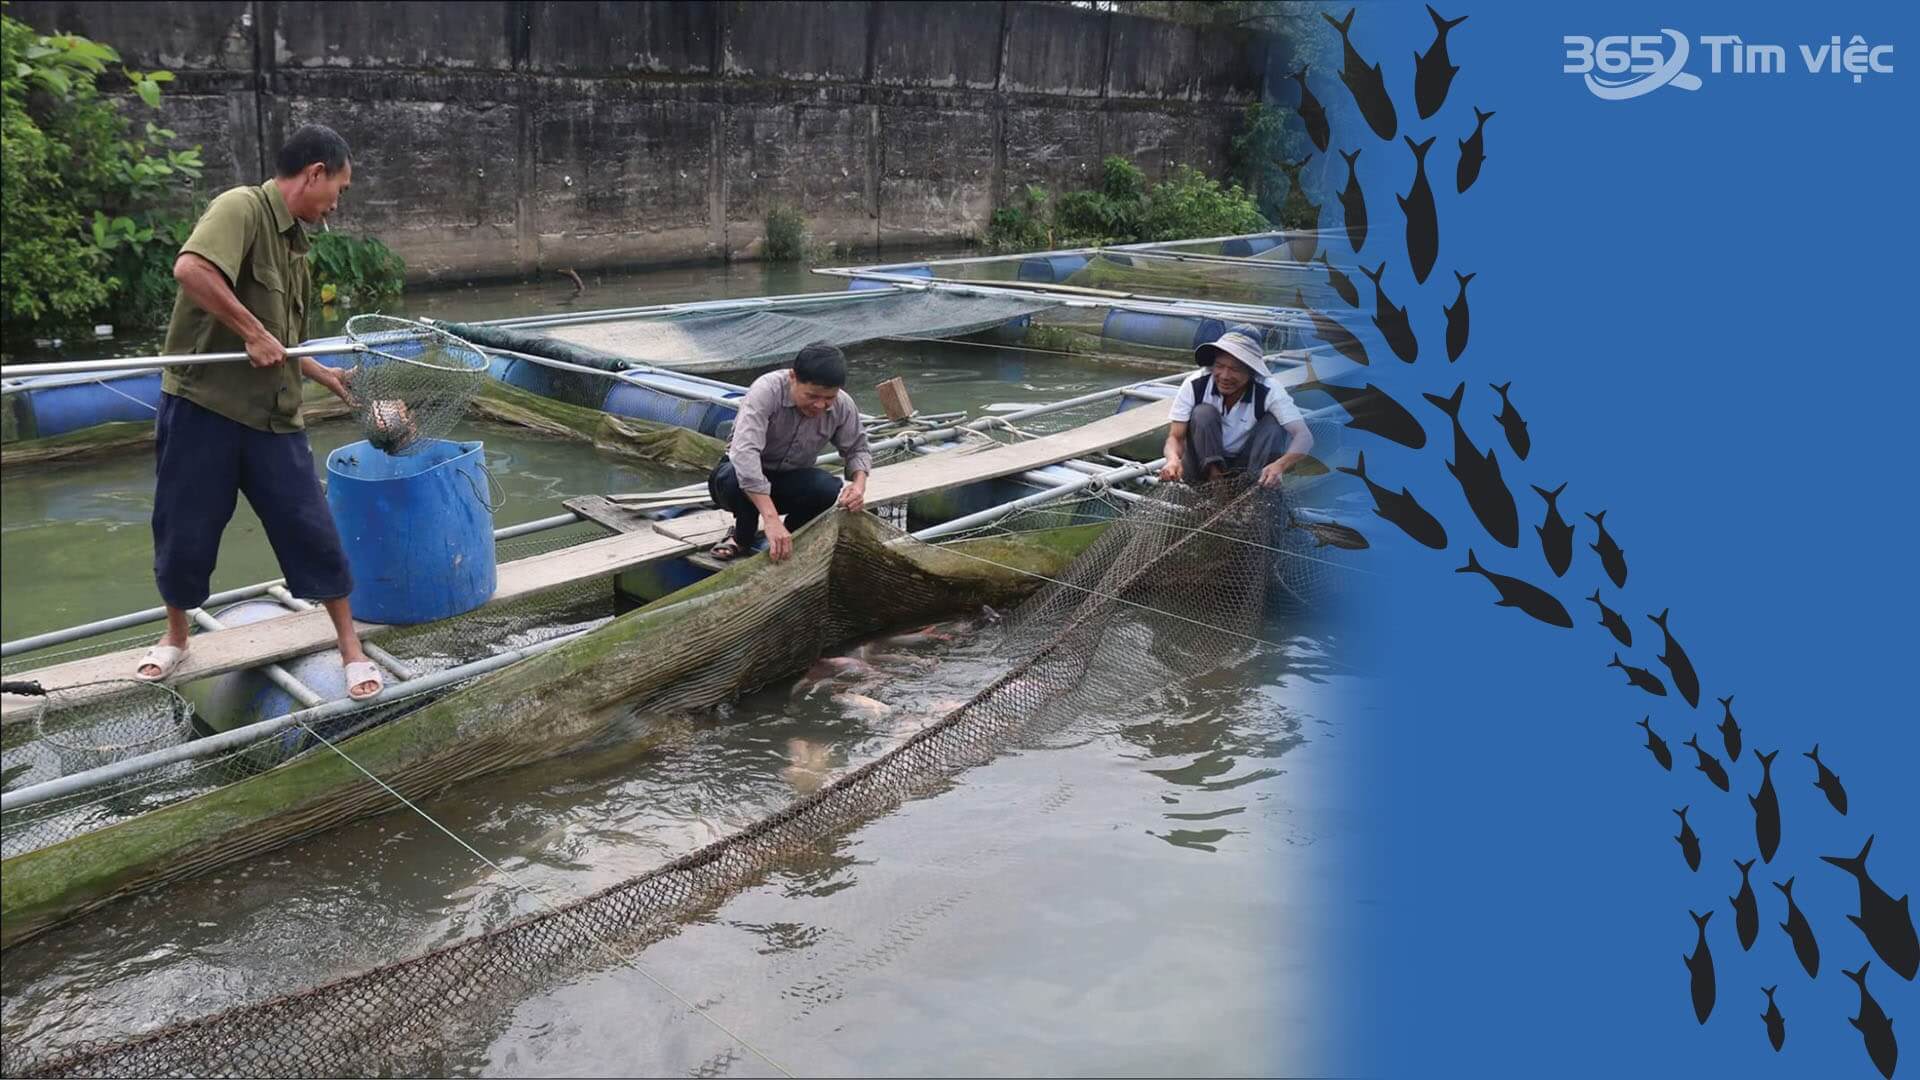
(1622, 66)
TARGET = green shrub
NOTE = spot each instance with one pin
(1123, 209)
(1190, 203)
(1023, 226)
(787, 238)
(356, 270)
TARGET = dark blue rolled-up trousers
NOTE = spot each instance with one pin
(799, 494)
(203, 463)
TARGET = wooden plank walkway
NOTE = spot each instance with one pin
(296, 634)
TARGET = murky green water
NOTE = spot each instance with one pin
(1144, 893)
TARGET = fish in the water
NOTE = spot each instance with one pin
(1457, 319)
(807, 765)
(1367, 84)
(1371, 409)
(1888, 923)
(1401, 509)
(1766, 809)
(1479, 476)
(1433, 72)
(1556, 538)
(1828, 783)
(1700, 966)
(1641, 677)
(1312, 113)
(1331, 331)
(1730, 729)
(1611, 619)
(1342, 284)
(1662, 753)
(1776, 1023)
(1800, 932)
(1329, 533)
(1709, 765)
(1611, 557)
(1675, 657)
(1423, 221)
(1746, 908)
(1473, 153)
(1392, 320)
(828, 669)
(863, 706)
(1874, 1025)
(1515, 593)
(1511, 423)
(1688, 840)
(1353, 203)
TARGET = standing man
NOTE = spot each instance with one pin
(1229, 416)
(784, 421)
(225, 429)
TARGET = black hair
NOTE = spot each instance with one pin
(821, 364)
(311, 143)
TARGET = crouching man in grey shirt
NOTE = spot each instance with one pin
(785, 420)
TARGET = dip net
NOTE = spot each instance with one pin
(1178, 587)
(412, 382)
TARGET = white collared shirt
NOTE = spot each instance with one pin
(1235, 423)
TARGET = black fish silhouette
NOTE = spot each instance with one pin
(1887, 922)
(1330, 534)
(1700, 964)
(1457, 319)
(1641, 677)
(1688, 841)
(1874, 1025)
(1473, 153)
(1434, 72)
(1556, 539)
(1730, 729)
(1353, 202)
(1331, 331)
(1615, 625)
(1611, 557)
(1681, 668)
(1709, 764)
(1312, 113)
(1372, 410)
(1746, 908)
(1304, 236)
(1401, 509)
(1515, 593)
(1661, 752)
(1479, 476)
(1367, 84)
(1341, 283)
(1766, 809)
(1392, 320)
(1800, 933)
(1776, 1023)
(1423, 222)
(1511, 423)
(1828, 782)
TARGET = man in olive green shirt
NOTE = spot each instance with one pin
(226, 429)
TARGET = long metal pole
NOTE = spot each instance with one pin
(975, 260)
(136, 363)
(995, 513)
(1079, 296)
(698, 307)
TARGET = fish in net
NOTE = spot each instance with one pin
(1175, 589)
(411, 383)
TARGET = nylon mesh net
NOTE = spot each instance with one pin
(1171, 591)
(412, 383)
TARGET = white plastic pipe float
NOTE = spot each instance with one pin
(143, 363)
(698, 307)
(995, 513)
(1078, 296)
(975, 260)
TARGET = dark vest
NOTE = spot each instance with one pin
(1204, 383)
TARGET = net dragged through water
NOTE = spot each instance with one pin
(1171, 591)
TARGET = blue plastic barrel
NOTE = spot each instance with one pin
(418, 529)
(861, 284)
(1011, 332)
(1182, 332)
(60, 403)
(243, 697)
(650, 397)
(1247, 247)
(533, 378)
(1051, 269)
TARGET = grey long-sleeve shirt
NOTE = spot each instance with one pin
(771, 434)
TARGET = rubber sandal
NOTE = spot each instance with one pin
(363, 671)
(165, 657)
(725, 551)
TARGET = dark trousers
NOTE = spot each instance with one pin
(204, 462)
(1264, 444)
(799, 494)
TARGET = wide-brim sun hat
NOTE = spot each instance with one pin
(1242, 343)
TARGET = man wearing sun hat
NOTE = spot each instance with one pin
(1232, 416)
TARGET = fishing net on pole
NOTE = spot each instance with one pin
(411, 383)
(89, 725)
(1177, 588)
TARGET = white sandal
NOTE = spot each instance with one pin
(165, 657)
(364, 671)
